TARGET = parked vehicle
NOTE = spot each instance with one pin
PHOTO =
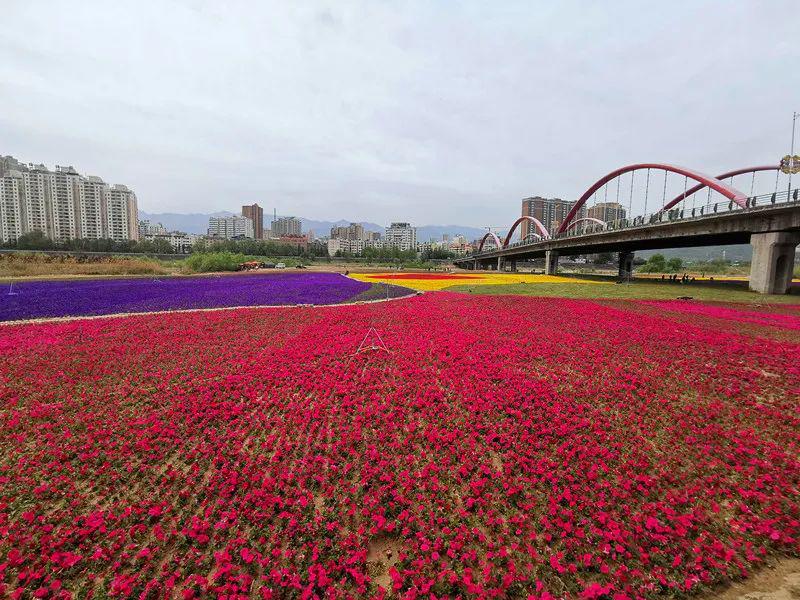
(280, 266)
(251, 265)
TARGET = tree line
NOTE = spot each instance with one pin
(36, 240)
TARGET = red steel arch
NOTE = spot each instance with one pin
(592, 219)
(541, 228)
(700, 186)
(492, 235)
(715, 184)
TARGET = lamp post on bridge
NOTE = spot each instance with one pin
(794, 163)
(791, 163)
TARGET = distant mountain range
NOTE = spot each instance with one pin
(198, 223)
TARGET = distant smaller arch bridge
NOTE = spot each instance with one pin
(493, 236)
(537, 223)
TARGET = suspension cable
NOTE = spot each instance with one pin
(630, 202)
(664, 193)
(752, 183)
(646, 192)
(685, 184)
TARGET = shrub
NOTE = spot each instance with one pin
(208, 262)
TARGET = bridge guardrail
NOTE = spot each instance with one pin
(663, 216)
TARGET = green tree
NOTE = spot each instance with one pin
(436, 254)
(674, 265)
(655, 264)
(35, 240)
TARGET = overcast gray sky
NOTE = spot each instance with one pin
(433, 112)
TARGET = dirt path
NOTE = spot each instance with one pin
(778, 582)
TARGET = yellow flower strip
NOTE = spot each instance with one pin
(400, 278)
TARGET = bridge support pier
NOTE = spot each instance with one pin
(499, 263)
(773, 261)
(626, 265)
(550, 262)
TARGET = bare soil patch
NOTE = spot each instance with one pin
(382, 553)
(777, 582)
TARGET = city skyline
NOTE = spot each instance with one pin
(410, 129)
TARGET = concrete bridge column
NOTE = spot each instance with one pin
(625, 265)
(550, 262)
(773, 261)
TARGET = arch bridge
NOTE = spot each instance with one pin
(770, 222)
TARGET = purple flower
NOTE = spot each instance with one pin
(36, 299)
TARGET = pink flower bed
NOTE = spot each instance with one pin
(499, 447)
(744, 314)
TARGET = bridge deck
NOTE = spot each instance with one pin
(730, 227)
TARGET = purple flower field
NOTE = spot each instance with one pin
(39, 299)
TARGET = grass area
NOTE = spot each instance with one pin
(47, 265)
(645, 290)
(217, 262)
(380, 291)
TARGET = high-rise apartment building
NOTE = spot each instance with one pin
(354, 231)
(91, 212)
(62, 184)
(551, 212)
(12, 192)
(607, 211)
(401, 236)
(122, 215)
(231, 227)
(256, 214)
(62, 204)
(34, 204)
(286, 226)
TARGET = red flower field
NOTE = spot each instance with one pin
(499, 447)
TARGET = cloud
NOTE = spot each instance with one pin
(431, 112)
